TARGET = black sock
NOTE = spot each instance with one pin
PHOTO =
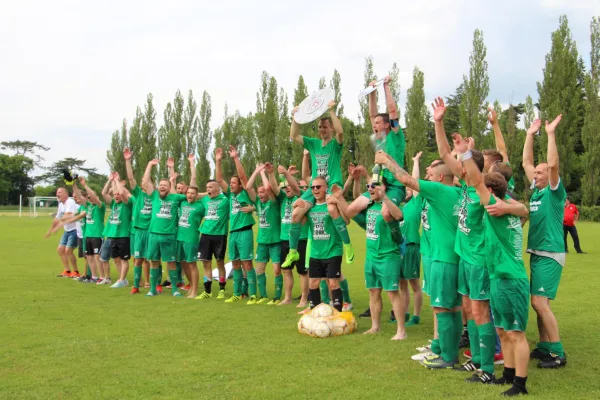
(222, 285)
(509, 374)
(208, 286)
(518, 387)
(338, 300)
(314, 297)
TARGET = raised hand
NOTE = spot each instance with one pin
(551, 127)
(127, 153)
(373, 83)
(232, 152)
(387, 80)
(380, 191)
(259, 167)
(492, 115)
(154, 162)
(269, 168)
(218, 154)
(292, 170)
(351, 168)
(381, 157)
(295, 109)
(115, 176)
(535, 127)
(191, 157)
(82, 180)
(470, 143)
(331, 105)
(331, 200)
(460, 145)
(281, 169)
(439, 109)
(170, 162)
(417, 156)
(305, 153)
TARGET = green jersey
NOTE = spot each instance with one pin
(326, 241)
(504, 246)
(412, 220)
(546, 213)
(443, 212)
(381, 246)
(142, 209)
(394, 144)
(119, 221)
(361, 219)
(325, 160)
(287, 207)
(425, 228)
(83, 208)
(269, 221)
(237, 218)
(470, 235)
(94, 220)
(164, 213)
(190, 217)
(217, 215)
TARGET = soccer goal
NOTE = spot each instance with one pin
(42, 206)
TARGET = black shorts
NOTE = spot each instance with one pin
(330, 268)
(212, 245)
(93, 246)
(120, 248)
(301, 263)
(80, 248)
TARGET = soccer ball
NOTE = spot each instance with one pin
(322, 310)
(306, 324)
(321, 329)
(338, 326)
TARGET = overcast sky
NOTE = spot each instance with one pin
(72, 70)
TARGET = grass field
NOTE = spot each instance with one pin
(66, 340)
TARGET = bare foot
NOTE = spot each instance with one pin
(192, 295)
(399, 336)
(302, 304)
(285, 302)
(371, 331)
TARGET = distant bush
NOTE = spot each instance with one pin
(589, 213)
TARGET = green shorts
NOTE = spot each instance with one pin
(187, 252)
(140, 245)
(394, 193)
(411, 262)
(241, 245)
(473, 281)
(161, 247)
(266, 252)
(545, 276)
(510, 303)
(384, 274)
(426, 272)
(442, 285)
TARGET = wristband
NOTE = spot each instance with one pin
(467, 155)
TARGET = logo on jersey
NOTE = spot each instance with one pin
(323, 165)
(424, 217)
(147, 209)
(263, 209)
(212, 212)
(287, 213)
(184, 219)
(371, 224)
(165, 210)
(115, 215)
(318, 228)
(462, 212)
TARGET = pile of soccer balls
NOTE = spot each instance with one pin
(324, 321)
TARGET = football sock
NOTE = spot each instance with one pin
(337, 299)
(278, 287)
(435, 347)
(262, 284)
(474, 342)
(447, 334)
(178, 280)
(173, 279)
(509, 374)
(458, 329)
(307, 255)
(295, 235)
(88, 271)
(324, 292)
(314, 298)
(137, 276)
(544, 347)
(251, 282)
(245, 285)
(237, 282)
(207, 285)
(345, 291)
(487, 346)
(160, 275)
(222, 283)
(154, 276)
(340, 226)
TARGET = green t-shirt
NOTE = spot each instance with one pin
(238, 219)
(287, 207)
(83, 208)
(326, 241)
(546, 214)
(470, 235)
(442, 218)
(325, 160)
(216, 219)
(425, 228)
(142, 209)
(394, 146)
(511, 182)
(269, 221)
(412, 220)
(361, 219)
(190, 217)
(132, 201)
(381, 246)
(164, 213)
(119, 221)
(504, 246)
(94, 220)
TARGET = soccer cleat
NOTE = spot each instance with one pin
(425, 348)
(481, 377)
(233, 299)
(186, 288)
(438, 362)
(166, 284)
(498, 359)
(467, 354)
(414, 320)
(392, 317)
(467, 366)
(251, 300)
(108, 281)
(177, 294)
(135, 290)
(553, 361)
(158, 289)
(292, 257)
(74, 275)
(422, 355)
(263, 300)
(221, 294)
(349, 253)
(203, 296)
(118, 285)
(537, 354)
(82, 278)
(274, 302)
(180, 285)
(126, 282)
(515, 391)
(150, 294)
(366, 314)
(64, 274)
(347, 307)
(101, 281)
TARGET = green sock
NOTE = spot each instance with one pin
(88, 270)
(160, 275)
(251, 278)
(237, 282)
(307, 255)
(173, 279)
(447, 334)
(394, 227)
(458, 329)
(278, 287)
(262, 284)
(340, 226)
(245, 285)
(295, 235)
(154, 276)
(435, 347)
(406, 317)
(137, 276)
(556, 348)
(345, 291)
(487, 345)
(544, 347)
(324, 292)
(178, 280)
(474, 341)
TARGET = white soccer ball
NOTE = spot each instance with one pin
(338, 326)
(321, 329)
(322, 310)
(306, 324)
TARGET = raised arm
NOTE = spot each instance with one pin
(373, 105)
(295, 135)
(400, 174)
(172, 175)
(250, 184)
(147, 185)
(475, 177)
(528, 149)
(337, 124)
(416, 170)
(218, 171)
(192, 160)
(553, 162)
(306, 173)
(129, 168)
(392, 107)
(291, 181)
(92, 195)
(349, 184)
(265, 181)
(76, 191)
(500, 145)
(359, 173)
(121, 190)
(238, 165)
(439, 109)
(394, 210)
(105, 190)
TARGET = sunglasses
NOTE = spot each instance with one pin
(373, 185)
(316, 187)
(303, 187)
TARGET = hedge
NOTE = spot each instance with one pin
(589, 213)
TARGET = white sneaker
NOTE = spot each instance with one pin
(425, 348)
(108, 281)
(422, 356)
(126, 282)
(119, 284)
(101, 282)
(347, 307)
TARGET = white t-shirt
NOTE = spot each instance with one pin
(68, 206)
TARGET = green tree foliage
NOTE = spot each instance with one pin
(26, 148)
(148, 149)
(395, 86)
(189, 136)
(204, 139)
(54, 173)
(416, 117)
(452, 118)
(114, 156)
(14, 178)
(364, 153)
(265, 147)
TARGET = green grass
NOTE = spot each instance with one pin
(65, 340)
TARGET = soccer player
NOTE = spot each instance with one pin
(509, 286)
(326, 155)
(68, 241)
(442, 197)
(81, 217)
(545, 243)
(571, 216)
(241, 220)
(94, 228)
(500, 154)
(163, 229)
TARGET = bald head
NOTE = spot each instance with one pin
(442, 173)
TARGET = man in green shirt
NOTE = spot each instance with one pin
(509, 285)
(545, 242)
(162, 243)
(241, 220)
(191, 213)
(442, 197)
(326, 156)
(94, 223)
(493, 156)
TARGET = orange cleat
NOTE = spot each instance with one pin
(135, 290)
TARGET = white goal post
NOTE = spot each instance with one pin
(42, 205)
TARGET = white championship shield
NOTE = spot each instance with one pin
(314, 106)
